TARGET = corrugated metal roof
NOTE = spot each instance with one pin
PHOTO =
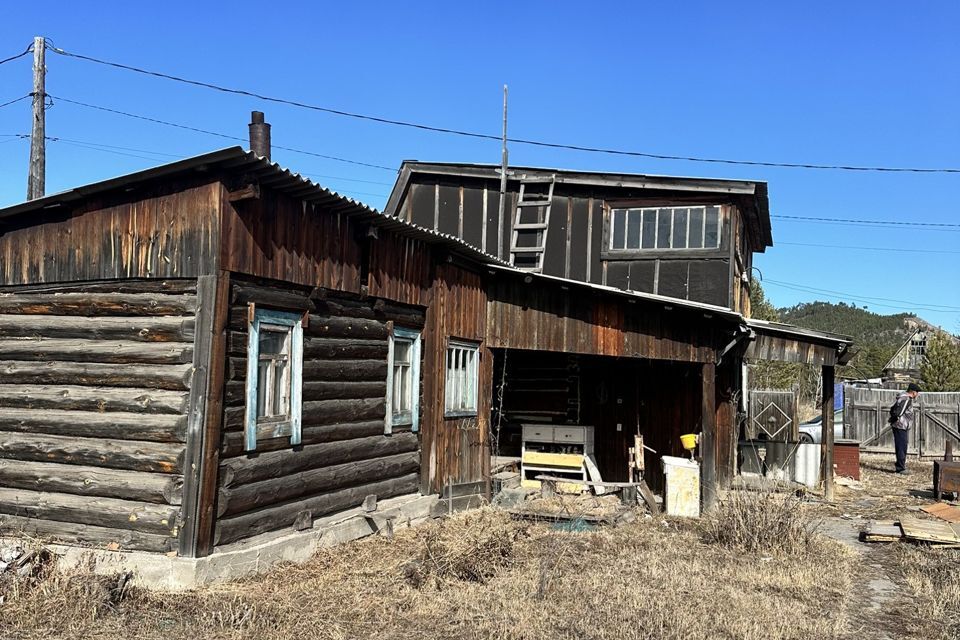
(272, 175)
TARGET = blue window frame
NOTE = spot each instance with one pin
(274, 377)
(403, 380)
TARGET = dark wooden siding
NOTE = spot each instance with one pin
(94, 386)
(455, 450)
(400, 269)
(168, 232)
(576, 237)
(345, 455)
(551, 317)
(280, 237)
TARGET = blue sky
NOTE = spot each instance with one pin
(856, 83)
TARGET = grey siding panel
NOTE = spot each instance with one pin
(473, 215)
(578, 240)
(708, 281)
(596, 241)
(493, 203)
(422, 196)
(556, 253)
(618, 274)
(642, 273)
(449, 209)
(673, 278)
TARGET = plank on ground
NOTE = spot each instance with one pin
(929, 530)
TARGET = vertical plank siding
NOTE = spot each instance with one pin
(94, 394)
(455, 450)
(163, 232)
(344, 454)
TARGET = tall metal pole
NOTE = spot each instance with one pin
(503, 179)
(36, 180)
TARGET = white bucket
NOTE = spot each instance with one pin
(683, 486)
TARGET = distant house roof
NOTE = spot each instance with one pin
(750, 192)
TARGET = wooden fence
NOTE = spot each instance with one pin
(772, 416)
(937, 420)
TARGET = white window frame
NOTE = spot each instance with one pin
(461, 379)
(392, 418)
(255, 429)
(656, 227)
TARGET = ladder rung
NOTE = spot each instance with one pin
(530, 225)
(526, 249)
(538, 180)
(533, 203)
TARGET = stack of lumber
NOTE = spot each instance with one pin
(934, 532)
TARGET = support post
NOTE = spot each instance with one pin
(36, 176)
(708, 443)
(503, 178)
(826, 439)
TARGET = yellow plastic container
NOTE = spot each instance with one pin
(689, 441)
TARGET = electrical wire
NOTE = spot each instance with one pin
(15, 100)
(28, 50)
(884, 249)
(485, 136)
(217, 134)
(944, 226)
(870, 299)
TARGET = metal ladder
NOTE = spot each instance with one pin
(530, 254)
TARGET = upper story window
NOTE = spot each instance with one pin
(653, 228)
(274, 377)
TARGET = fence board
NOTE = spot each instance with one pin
(937, 420)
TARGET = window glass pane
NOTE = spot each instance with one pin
(663, 228)
(262, 387)
(633, 229)
(695, 238)
(649, 228)
(680, 228)
(712, 231)
(619, 229)
(272, 342)
(401, 351)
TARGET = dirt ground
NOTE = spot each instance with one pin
(485, 574)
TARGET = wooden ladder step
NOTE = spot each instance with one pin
(530, 225)
(533, 203)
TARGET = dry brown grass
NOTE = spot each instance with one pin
(477, 575)
(933, 577)
(766, 522)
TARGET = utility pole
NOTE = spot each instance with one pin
(503, 179)
(36, 180)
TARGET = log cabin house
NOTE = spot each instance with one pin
(215, 349)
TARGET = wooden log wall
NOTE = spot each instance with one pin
(94, 387)
(344, 455)
(455, 450)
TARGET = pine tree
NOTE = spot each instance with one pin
(940, 370)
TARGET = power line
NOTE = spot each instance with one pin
(485, 136)
(884, 249)
(26, 51)
(15, 100)
(868, 299)
(945, 226)
(320, 175)
(217, 134)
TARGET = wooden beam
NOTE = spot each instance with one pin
(249, 192)
(826, 440)
(708, 448)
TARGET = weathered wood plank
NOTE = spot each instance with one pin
(313, 481)
(114, 425)
(70, 397)
(159, 488)
(239, 471)
(236, 391)
(233, 441)
(84, 534)
(171, 377)
(322, 412)
(136, 329)
(167, 287)
(72, 350)
(243, 293)
(284, 515)
(98, 304)
(101, 512)
(122, 454)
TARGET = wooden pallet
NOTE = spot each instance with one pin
(881, 531)
(933, 531)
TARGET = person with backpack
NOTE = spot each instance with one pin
(901, 419)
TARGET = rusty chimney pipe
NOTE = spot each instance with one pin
(259, 135)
